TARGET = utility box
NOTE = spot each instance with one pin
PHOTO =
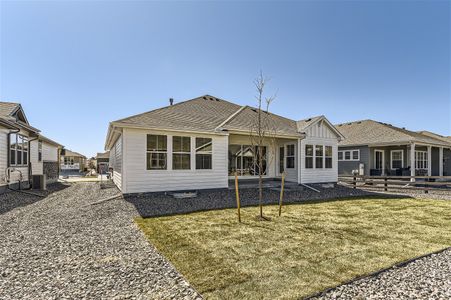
(40, 182)
(361, 169)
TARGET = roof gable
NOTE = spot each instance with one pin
(306, 125)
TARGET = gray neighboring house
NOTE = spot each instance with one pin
(103, 162)
(375, 148)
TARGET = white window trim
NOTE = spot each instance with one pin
(23, 151)
(323, 156)
(194, 141)
(383, 159)
(289, 156)
(313, 156)
(351, 156)
(190, 153)
(158, 152)
(391, 158)
(424, 160)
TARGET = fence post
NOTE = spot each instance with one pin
(426, 186)
(237, 197)
(385, 184)
(355, 182)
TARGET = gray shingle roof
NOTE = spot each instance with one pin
(7, 108)
(437, 136)
(199, 114)
(303, 124)
(369, 132)
(73, 153)
(245, 121)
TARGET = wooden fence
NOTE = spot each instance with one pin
(425, 183)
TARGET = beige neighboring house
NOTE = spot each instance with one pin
(201, 143)
(72, 161)
(103, 162)
(19, 148)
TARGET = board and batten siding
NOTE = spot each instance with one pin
(116, 159)
(319, 134)
(136, 178)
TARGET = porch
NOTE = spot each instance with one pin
(406, 160)
(278, 155)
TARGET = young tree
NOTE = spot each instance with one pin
(262, 134)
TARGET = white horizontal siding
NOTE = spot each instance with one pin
(137, 179)
(37, 167)
(3, 153)
(49, 152)
(116, 162)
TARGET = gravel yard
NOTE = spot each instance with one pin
(159, 204)
(61, 247)
(426, 278)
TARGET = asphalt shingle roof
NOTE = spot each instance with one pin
(369, 132)
(7, 108)
(303, 124)
(200, 114)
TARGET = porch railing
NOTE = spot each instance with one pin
(424, 183)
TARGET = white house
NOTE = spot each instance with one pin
(201, 143)
(19, 148)
(44, 158)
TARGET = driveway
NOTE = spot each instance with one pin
(62, 247)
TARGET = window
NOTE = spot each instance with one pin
(39, 150)
(355, 154)
(203, 153)
(290, 157)
(181, 153)
(281, 159)
(18, 150)
(243, 160)
(319, 156)
(350, 155)
(157, 152)
(308, 156)
(68, 160)
(397, 159)
(328, 157)
(421, 160)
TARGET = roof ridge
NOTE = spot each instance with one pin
(169, 106)
(356, 121)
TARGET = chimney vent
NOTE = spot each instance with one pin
(171, 101)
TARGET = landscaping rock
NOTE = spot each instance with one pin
(425, 278)
(60, 247)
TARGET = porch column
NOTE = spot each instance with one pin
(440, 161)
(412, 161)
(429, 161)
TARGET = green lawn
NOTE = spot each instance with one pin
(311, 247)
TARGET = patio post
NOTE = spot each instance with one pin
(429, 161)
(440, 161)
(412, 162)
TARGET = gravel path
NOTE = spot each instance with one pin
(426, 278)
(61, 247)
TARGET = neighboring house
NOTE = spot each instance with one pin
(44, 158)
(72, 162)
(201, 144)
(376, 148)
(103, 161)
(17, 150)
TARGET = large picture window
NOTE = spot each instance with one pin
(421, 160)
(309, 156)
(397, 158)
(204, 148)
(290, 157)
(243, 159)
(18, 150)
(328, 157)
(181, 153)
(157, 152)
(319, 156)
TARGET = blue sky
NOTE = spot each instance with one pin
(75, 66)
